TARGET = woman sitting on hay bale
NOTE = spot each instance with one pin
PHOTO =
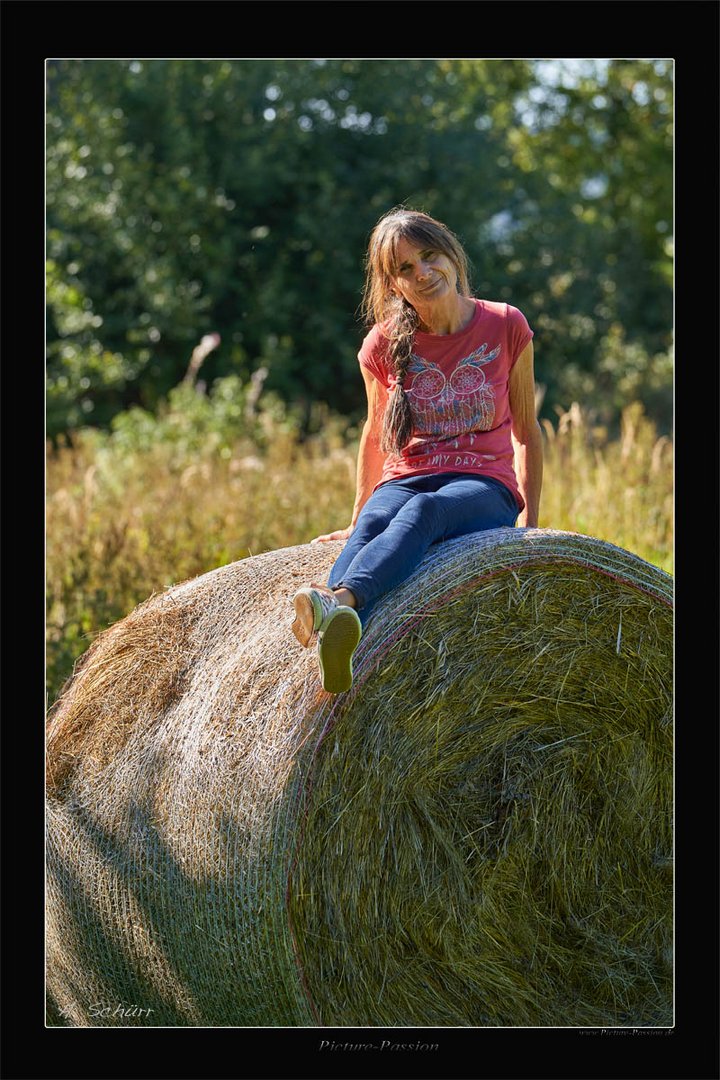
(451, 411)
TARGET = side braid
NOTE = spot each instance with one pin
(397, 424)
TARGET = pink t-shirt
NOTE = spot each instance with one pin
(457, 385)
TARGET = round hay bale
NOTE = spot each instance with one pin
(477, 834)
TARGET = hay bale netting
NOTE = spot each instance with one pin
(478, 833)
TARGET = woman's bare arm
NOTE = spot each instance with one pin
(526, 436)
(370, 458)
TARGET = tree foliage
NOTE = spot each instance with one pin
(189, 196)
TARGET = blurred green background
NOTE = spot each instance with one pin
(237, 196)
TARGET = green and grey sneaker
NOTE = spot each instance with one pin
(339, 638)
(312, 607)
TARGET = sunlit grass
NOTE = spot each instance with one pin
(620, 491)
(123, 524)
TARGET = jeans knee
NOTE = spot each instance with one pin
(423, 511)
(372, 522)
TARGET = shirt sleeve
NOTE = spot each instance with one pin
(519, 333)
(372, 355)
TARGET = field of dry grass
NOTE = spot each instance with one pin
(123, 522)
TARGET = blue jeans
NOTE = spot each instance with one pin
(400, 521)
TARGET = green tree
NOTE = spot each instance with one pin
(189, 196)
(588, 240)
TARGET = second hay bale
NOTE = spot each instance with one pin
(478, 834)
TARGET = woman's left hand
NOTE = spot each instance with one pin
(339, 534)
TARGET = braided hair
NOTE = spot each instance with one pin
(397, 423)
(382, 305)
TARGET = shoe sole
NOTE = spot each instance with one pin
(338, 642)
(304, 625)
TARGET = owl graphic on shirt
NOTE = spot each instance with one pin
(458, 404)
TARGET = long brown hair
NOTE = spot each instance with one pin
(382, 305)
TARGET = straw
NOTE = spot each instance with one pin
(478, 834)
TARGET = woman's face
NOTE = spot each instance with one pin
(423, 275)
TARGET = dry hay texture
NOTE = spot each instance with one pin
(478, 834)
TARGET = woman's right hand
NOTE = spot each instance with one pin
(339, 534)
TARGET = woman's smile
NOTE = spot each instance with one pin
(427, 279)
(422, 274)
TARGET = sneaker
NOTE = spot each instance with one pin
(312, 607)
(339, 638)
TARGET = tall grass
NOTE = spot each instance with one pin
(124, 521)
(620, 490)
